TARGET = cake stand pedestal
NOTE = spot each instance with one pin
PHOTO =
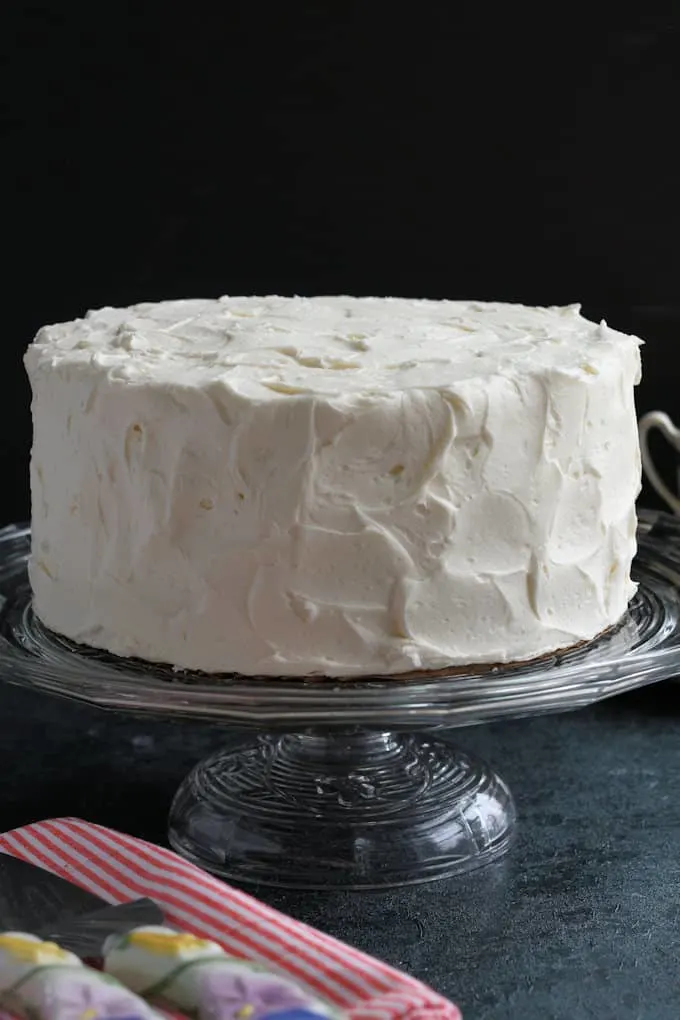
(342, 783)
(352, 808)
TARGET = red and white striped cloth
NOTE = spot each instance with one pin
(118, 867)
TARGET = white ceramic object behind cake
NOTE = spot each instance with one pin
(659, 420)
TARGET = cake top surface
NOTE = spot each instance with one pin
(286, 346)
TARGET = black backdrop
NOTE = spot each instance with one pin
(347, 148)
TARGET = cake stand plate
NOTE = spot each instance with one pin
(342, 783)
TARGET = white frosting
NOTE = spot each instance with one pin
(338, 486)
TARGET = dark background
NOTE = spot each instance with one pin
(353, 149)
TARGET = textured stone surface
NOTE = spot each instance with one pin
(580, 921)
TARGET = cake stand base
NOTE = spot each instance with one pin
(350, 809)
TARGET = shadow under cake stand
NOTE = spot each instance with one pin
(342, 784)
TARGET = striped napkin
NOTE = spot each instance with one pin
(118, 867)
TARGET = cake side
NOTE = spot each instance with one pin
(332, 486)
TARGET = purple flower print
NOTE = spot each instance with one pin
(73, 998)
(298, 1013)
(225, 995)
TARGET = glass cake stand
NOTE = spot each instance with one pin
(343, 784)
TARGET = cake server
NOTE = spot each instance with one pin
(35, 901)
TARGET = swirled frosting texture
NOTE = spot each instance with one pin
(337, 486)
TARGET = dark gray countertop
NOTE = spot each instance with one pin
(581, 920)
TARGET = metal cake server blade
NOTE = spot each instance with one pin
(86, 934)
(36, 901)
